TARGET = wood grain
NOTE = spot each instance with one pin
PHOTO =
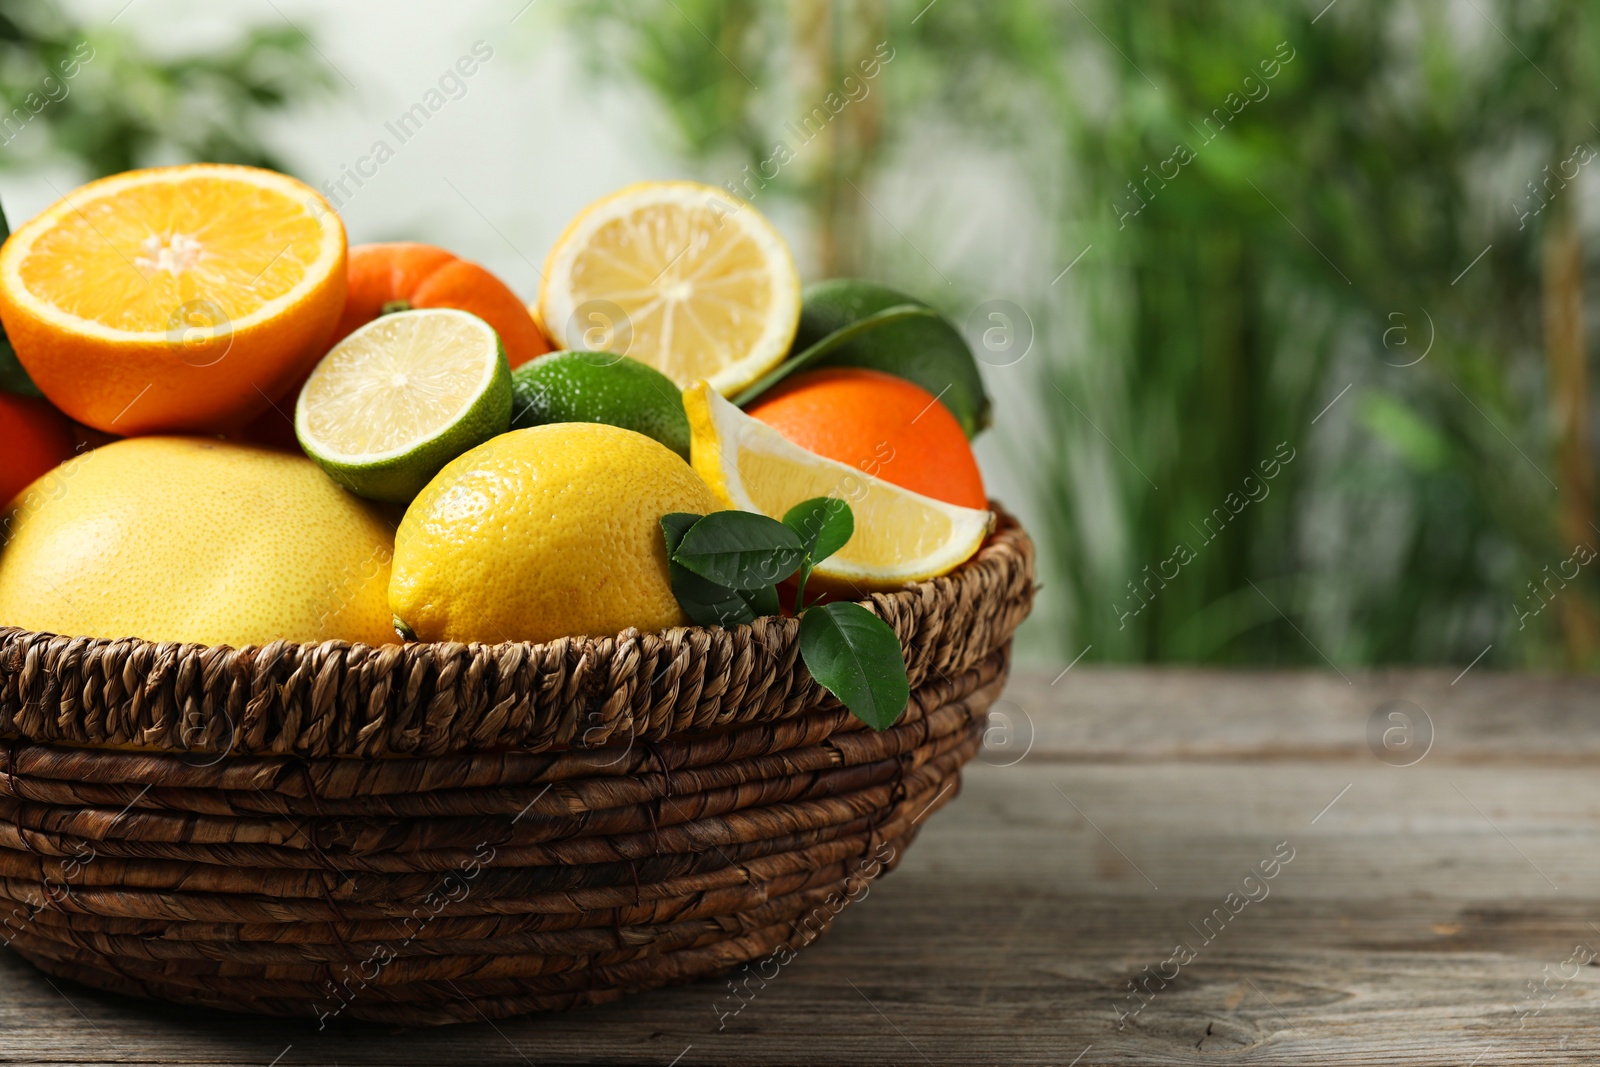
(1407, 928)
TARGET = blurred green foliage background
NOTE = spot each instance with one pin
(1306, 282)
(1279, 207)
(102, 98)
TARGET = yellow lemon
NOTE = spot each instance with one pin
(679, 276)
(544, 533)
(192, 539)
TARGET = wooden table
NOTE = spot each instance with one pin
(1441, 912)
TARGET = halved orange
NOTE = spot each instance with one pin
(174, 299)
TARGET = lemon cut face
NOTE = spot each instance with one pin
(900, 536)
(678, 275)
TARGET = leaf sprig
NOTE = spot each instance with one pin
(13, 379)
(725, 569)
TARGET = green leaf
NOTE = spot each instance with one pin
(740, 549)
(675, 525)
(705, 602)
(856, 657)
(763, 601)
(824, 524)
(842, 336)
(1419, 442)
(13, 378)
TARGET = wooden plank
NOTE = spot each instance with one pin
(1418, 906)
(1174, 713)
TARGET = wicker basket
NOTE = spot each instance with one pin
(446, 832)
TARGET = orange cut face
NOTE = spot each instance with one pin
(179, 298)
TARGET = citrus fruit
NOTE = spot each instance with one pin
(678, 275)
(193, 539)
(928, 351)
(874, 421)
(402, 275)
(543, 533)
(179, 298)
(600, 387)
(401, 397)
(900, 536)
(34, 438)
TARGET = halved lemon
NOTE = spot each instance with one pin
(402, 396)
(178, 298)
(678, 275)
(900, 536)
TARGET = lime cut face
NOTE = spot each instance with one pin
(402, 396)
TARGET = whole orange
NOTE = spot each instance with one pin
(34, 438)
(174, 299)
(886, 426)
(401, 275)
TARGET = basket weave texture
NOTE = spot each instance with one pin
(432, 833)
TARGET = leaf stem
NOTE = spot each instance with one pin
(800, 591)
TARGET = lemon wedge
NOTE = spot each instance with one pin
(678, 275)
(900, 536)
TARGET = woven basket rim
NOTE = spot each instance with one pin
(337, 698)
(1005, 524)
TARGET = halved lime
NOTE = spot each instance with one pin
(401, 397)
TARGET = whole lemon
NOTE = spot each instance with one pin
(192, 539)
(543, 533)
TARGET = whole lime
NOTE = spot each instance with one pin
(927, 351)
(599, 387)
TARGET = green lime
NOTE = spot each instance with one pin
(401, 397)
(928, 351)
(599, 387)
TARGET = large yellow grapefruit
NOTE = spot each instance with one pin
(192, 539)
